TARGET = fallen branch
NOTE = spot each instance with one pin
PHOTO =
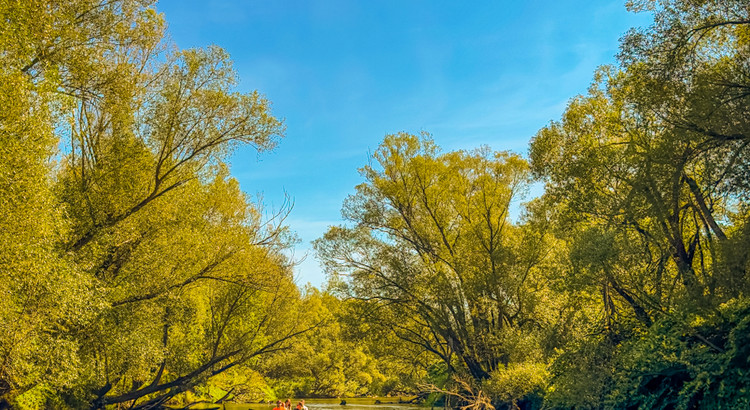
(469, 399)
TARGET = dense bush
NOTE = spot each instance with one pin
(696, 361)
(518, 383)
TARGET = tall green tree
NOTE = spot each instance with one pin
(434, 253)
(132, 266)
(690, 70)
(620, 180)
(189, 279)
(647, 173)
(43, 45)
(656, 151)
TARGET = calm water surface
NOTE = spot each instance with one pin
(333, 404)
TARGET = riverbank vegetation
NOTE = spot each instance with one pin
(625, 284)
(134, 272)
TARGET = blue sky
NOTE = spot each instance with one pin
(343, 74)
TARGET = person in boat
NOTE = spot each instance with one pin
(302, 402)
(279, 405)
(288, 404)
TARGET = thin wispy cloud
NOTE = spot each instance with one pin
(343, 74)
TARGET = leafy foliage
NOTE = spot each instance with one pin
(433, 251)
(519, 382)
(644, 173)
(134, 271)
(688, 362)
(134, 267)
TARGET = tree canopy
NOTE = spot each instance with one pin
(134, 267)
(134, 271)
(435, 255)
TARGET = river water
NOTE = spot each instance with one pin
(357, 403)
